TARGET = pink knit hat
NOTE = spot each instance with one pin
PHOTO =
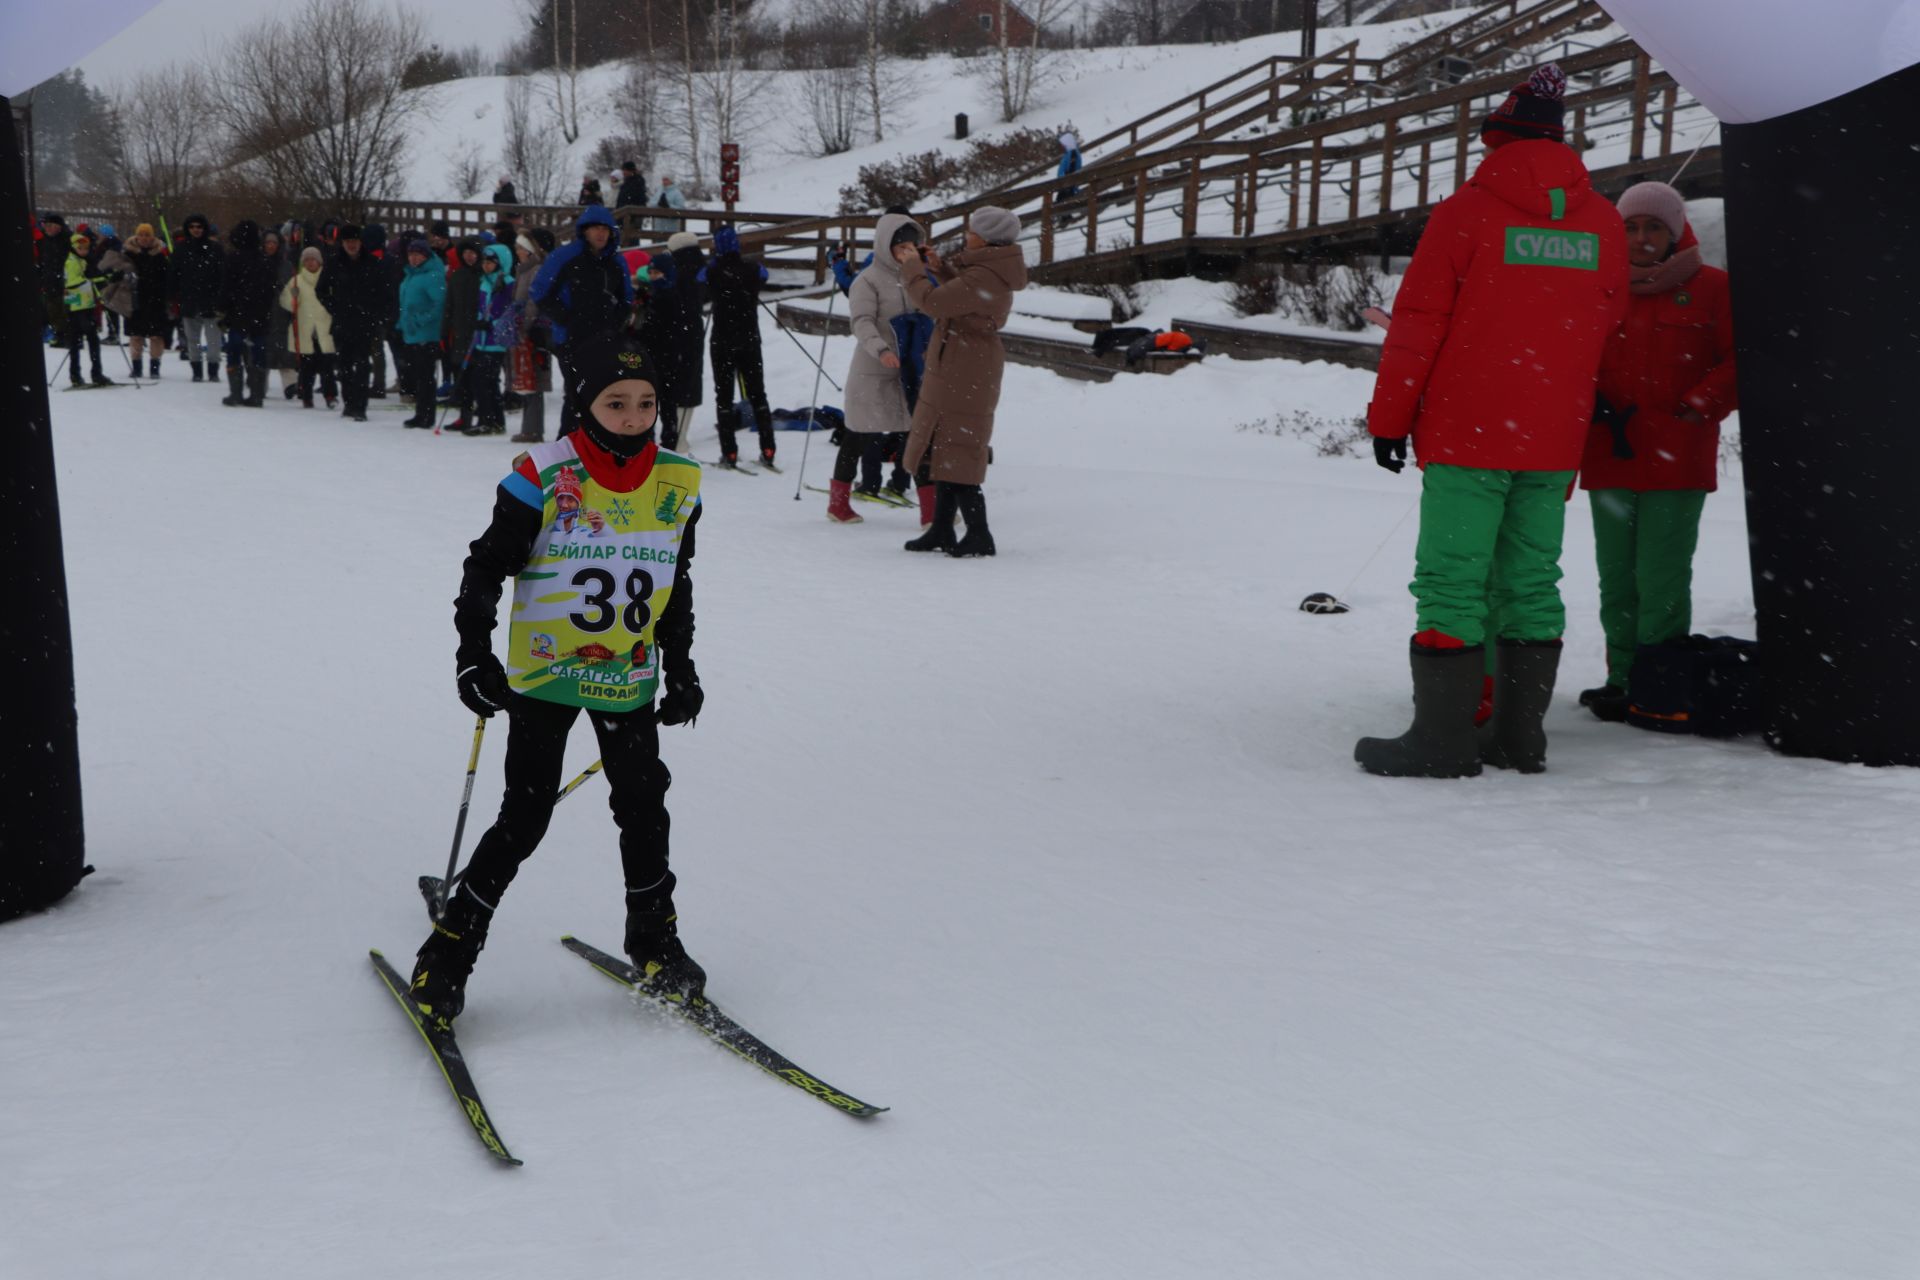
(1655, 200)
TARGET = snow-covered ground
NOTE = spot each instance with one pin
(1061, 855)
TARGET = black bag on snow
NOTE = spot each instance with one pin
(1705, 685)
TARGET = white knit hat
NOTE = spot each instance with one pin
(1655, 200)
(994, 225)
(682, 240)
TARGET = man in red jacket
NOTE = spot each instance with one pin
(1489, 366)
(1666, 382)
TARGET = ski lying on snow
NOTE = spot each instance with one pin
(717, 465)
(875, 498)
(705, 1016)
(446, 1054)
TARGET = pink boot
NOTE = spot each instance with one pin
(840, 504)
(926, 493)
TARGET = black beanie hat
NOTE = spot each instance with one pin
(348, 231)
(1536, 109)
(440, 229)
(598, 364)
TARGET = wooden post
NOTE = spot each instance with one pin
(1046, 227)
(1386, 167)
(1139, 208)
(1313, 203)
(1579, 128)
(1426, 170)
(1462, 126)
(1642, 72)
(1293, 198)
(1093, 216)
(1190, 205)
(1667, 101)
(820, 258)
(1236, 200)
(1353, 190)
(1253, 191)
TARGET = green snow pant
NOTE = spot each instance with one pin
(1644, 543)
(1490, 547)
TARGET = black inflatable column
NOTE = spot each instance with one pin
(1823, 236)
(42, 841)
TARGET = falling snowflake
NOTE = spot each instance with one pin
(620, 511)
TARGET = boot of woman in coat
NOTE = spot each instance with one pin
(939, 534)
(840, 503)
(973, 509)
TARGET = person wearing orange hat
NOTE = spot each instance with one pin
(148, 322)
(1488, 371)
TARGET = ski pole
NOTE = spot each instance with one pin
(460, 823)
(803, 351)
(564, 792)
(812, 404)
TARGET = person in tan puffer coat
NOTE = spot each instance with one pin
(310, 337)
(969, 296)
(876, 398)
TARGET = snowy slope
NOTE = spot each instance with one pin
(1062, 855)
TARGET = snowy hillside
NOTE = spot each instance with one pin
(1095, 89)
(1062, 855)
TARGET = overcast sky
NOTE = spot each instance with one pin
(174, 30)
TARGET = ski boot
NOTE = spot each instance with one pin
(445, 960)
(101, 380)
(653, 944)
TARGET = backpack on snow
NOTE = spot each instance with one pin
(1705, 685)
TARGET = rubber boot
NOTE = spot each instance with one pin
(236, 393)
(445, 960)
(840, 504)
(139, 369)
(1441, 743)
(926, 493)
(256, 388)
(199, 371)
(213, 369)
(973, 509)
(1608, 702)
(939, 533)
(1516, 737)
(653, 944)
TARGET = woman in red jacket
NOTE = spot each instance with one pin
(1489, 367)
(1666, 381)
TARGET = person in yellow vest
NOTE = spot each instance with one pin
(82, 296)
(596, 529)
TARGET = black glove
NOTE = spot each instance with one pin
(684, 698)
(1390, 453)
(483, 686)
(1615, 421)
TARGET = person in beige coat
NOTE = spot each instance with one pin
(310, 337)
(876, 400)
(969, 296)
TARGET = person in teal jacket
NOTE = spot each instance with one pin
(494, 332)
(423, 300)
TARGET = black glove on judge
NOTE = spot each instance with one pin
(1390, 453)
(483, 686)
(1615, 421)
(684, 698)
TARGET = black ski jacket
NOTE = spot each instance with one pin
(198, 269)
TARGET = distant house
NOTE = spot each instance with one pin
(1206, 21)
(970, 23)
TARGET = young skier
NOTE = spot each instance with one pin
(597, 530)
(734, 283)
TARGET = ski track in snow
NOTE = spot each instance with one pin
(1061, 855)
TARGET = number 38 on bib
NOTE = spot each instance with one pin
(602, 571)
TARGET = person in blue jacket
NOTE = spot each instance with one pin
(423, 302)
(1069, 163)
(585, 293)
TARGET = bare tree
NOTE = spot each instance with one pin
(1018, 67)
(833, 107)
(313, 103)
(528, 149)
(638, 108)
(163, 151)
(563, 76)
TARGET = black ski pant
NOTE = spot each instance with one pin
(637, 778)
(317, 365)
(353, 351)
(420, 369)
(740, 364)
(81, 328)
(483, 388)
